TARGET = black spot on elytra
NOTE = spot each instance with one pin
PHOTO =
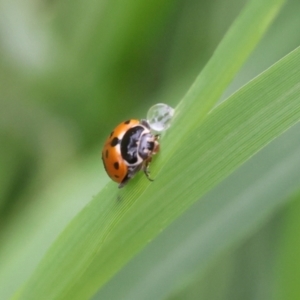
(106, 153)
(127, 122)
(116, 176)
(115, 141)
(116, 165)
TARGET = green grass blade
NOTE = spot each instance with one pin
(230, 55)
(116, 224)
(25, 243)
(187, 248)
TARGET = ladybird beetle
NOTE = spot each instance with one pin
(129, 149)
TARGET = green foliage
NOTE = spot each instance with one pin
(234, 163)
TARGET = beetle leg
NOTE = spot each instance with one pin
(145, 168)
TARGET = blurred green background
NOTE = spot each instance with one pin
(70, 71)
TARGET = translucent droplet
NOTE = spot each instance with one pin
(159, 117)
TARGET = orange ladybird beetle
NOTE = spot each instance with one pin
(129, 149)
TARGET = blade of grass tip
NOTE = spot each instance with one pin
(234, 49)
(228, 58)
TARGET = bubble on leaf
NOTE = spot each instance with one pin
(159, 117)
